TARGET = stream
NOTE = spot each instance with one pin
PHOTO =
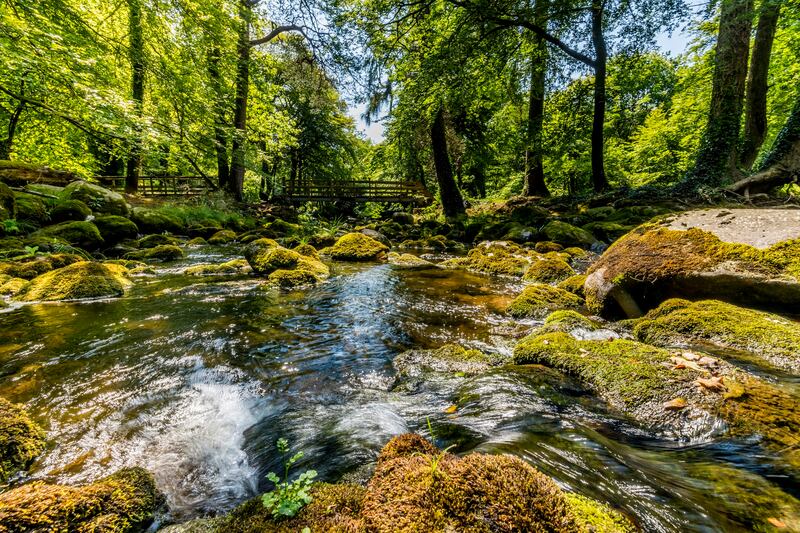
(195, 379)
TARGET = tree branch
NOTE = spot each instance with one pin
(277, 31)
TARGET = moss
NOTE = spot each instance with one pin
(574, 284)
(164, 252)
(773, 340)
(8, 209)
(502, 258)
(566, 320)
(591, 515)
(282, 228)
(235, 266)
(306, 250)
(567, 234)
(608, 231)
(543, 247)
(152, 221)
(357, 247)
(12, 286)
(99, 199)
(69, 210)
(21, 440)
(538, 301)
(275, 258)
(151, 241)
(79, 233)
(114, 228)
(407, 261)
(437, 243)
(197, 241)
(289, 279)
(80, 280)
(31, 209)
(222, 237)
(123, 502)
(548, 270)
(31, 267)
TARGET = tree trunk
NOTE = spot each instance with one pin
(716, 159)
(136, 55)
(7, 143)
(599, 181)
(220, 136)
(534, 169)
(236, 182)
(450, 196)
(755, 123)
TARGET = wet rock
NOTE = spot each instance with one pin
(548, 270)
(21, 440)
(33, 266)
(162, 252)
(235, 266)
(197, 241)
(151, 241)
(222, 237)
(450, 359)
(283, 267)
(378, 236)
(99, 199)
(408, 261)
(356, 247)
(538, 301)
(82, 280)
(152, 221)
(772, 340)
(78, 233)
(499, 257)
(69, 210)
(123, 502)
(574, 284)
(567, 234)
(198, 525)
(115, 229)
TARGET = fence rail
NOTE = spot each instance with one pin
(353, 190)
(161, 185)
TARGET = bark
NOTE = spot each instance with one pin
(755, 123)
(136, 56)
(599, 181)
(220, 135)
(11, 131)
(534, 184)
(716, 159)
(236, 182)
(450, 196)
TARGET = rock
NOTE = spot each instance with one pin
(771, 340)
(120, 503)
(204, 230)
(519, 233)
(31, 209)
(544, 247)
(99, 199)
(381, 238)
(78, 233)
(654, 263)
(198, 525)
(607, 231)
(21, 440)
(499, 257)
(158, 239)
(450, 359)
(281, 228)
(197, 241)
(357, 247)
(538, 301)
(152, 221)
(12, 286)
(8, 208)
(567, 234)
(78, 281)
(33, 266)
(403, 218)
(548, 270)
(283, 267)
(235, 266)
(115, 229)
(222, 237)
(574, 284)
(307, 250)
(163, 252)
(437, 243)
(69, 210)
(408, 261)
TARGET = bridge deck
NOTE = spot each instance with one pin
(354, 191)
(160, 185)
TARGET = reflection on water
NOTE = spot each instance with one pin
(196, 378)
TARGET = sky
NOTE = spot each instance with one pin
(673, 45)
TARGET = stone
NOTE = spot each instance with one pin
(99, 199)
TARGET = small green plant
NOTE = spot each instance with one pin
(10, 226)
(288, 497)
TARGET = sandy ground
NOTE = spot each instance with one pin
(757, 227)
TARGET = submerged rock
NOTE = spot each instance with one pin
(99, 199)
(356, 247)
(538, 301)
(78, 281)
(451, 359)
(774, 341)
(122, 502)
(21, 440)
(408, 261)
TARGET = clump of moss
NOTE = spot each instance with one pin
(548, 270)
(357, 247)
(222, 237)
(157, 239)
(407, 261)
(306, 250)
(163, 252)
(234, 266)
(543, 247)
(574, 284)
(773, 340)
(538, 301)
(504, 258)
(31, 267)
(114, 228)
(79, 233)
(436, 243)
(283, 267)
(21, 440)
(567, 234)
(70, 210)
(80, 280)
(275, 258)
(197, 241)
(289, 279)
(591, 515)
(257, 253)
(12, 286)
(123, 502)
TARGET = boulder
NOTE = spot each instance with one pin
(152, 221)
(283, 267)
(120, 503)
(574, 284)
(115, 229)
(548, 270)
(746, 257)
(499, 257)
(307, 250)
(31, 209)
(162, 253)
(36, 265)
(158, 239)
(408, 261)
(235, 266)
(82, 234)
(78, 281)
(224, 236)
(538, 301)
(8, 209)
(99, 199)
(401, 217)
(357, 247)
(69, 210)
(544, 247)
(21, 440)
(378, 236)
(568, 235)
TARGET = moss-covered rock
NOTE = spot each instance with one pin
(257, 254)
(357, 247)
(222, 237)
(99, 199)
(153, 221)
(31, 209)
(608, 231)
(163, 252)
(123, 502)
(283, 267)
(307, 250)
(21, 440)
(450, 359)
(544, 247)
(197, 241)
(504, 258)
(8, 209)
(538, 301)
(12, 286)
(69, 210)
(159, 239)
(78, 233)
(115, 229)
(574, 284)
(408, 261)
(235, 266)
(772, 340)
(548, 270)
(82, 280)
(436, 243)
(596, 517)
(567, 234)
(33, 266)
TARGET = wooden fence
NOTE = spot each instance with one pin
(161, 185)
(404, 192)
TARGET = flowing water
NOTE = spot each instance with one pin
(195, 378)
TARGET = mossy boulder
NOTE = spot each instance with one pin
(653, 263)
(567, 235)
(538, 301)
(256, 254)
(12, 286)
(82, 234)
(21, 440)
(450, 359)
(115, 229)
(356, 247)
(224, 236)
(544, 247)
(33, 266)
(307, 250)
(161, 253)
(548, 270)
(235, 266)
(504, 258)
(769, 339)
(78, 281)
(408, 261)
(607, 231)
(680, 395)
(99, 199)
(197, 241)
(120, 503)
(283, 267)
(31, 209)
(68, 210)
(158, 239)
(153, 221)
(436, 243)
(520, 234)
(574, 284)
(205, 229)
(8, 209)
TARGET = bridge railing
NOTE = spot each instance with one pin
(160, 185)
(354, 190)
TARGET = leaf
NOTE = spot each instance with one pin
(713, 384)
(675, 404)
(777, 523)
(452, 409)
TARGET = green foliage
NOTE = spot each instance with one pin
(289, 496)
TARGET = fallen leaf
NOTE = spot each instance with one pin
(713, 384)
(776, 523)
(674, 405)
(707, 361)
(680, 362)
(452, 409)
(690, 356)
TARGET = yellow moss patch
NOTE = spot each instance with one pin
(235, 266)
(538, 301)
(21, 439)
(357, 247)
(574, 284)
(12, 286)
(78, 281)
(597, 517)
(548, 270)
(502, 257)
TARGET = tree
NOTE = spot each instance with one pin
(534, 184)
(136, 57)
